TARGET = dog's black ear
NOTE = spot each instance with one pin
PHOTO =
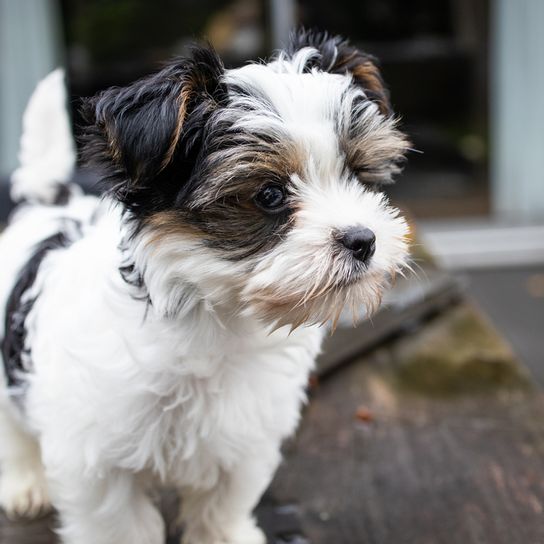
(144, 138)
(338, 56)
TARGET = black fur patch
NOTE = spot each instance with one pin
(162, 150)
(64, 193)
(17, 310)
(134, 136)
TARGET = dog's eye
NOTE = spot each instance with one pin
(375, 180)
(270, 198)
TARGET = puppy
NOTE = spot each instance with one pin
(164, 333)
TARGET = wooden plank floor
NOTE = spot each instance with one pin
(387, 455)
(437, 438)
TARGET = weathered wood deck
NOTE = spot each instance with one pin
(405, 447)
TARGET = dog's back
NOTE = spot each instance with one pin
(43, 222)
(51, 213)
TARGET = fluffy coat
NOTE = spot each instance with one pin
(167, 335)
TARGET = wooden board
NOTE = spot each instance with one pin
(436, 439)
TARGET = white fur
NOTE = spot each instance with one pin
(193, 390)
(312, 108)
(47, 153)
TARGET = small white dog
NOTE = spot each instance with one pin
(164, 333)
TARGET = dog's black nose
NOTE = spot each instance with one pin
(361, 241)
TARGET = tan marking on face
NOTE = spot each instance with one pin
(168, 224)
(184, 98)
(112, 144)
(285, 310)
(380, 152)
(368, 75)
(244, 171)
(324, 306)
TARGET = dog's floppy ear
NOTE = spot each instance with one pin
(144, 137)
(338, 56)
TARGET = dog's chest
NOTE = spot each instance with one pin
(184, 400)
(212, 410)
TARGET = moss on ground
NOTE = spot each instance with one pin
(456, 353)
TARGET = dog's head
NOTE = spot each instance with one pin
(258, 185)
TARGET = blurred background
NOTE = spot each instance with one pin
(436, 57)
(464, 75)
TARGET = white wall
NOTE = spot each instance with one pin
(30, 47)
(517, 115)
(283, 21)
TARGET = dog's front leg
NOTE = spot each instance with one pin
(223, 515)
(112, 508)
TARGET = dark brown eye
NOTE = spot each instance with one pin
(270, 198)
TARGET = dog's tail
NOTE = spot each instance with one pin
(47, 152)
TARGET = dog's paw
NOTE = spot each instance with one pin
(24, 493)
(246, 533)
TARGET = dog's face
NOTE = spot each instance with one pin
(259, 184)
